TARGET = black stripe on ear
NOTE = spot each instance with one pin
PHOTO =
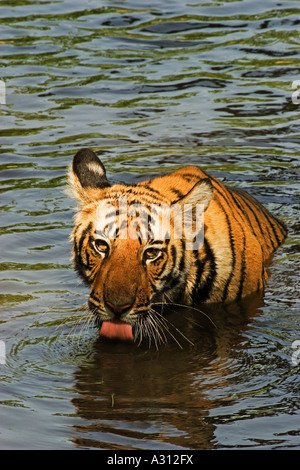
(89, 169)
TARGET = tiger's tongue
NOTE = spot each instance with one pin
(116, 330)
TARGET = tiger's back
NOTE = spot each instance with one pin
(240, 235)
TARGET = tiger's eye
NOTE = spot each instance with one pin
(101, 246)
(151, 254)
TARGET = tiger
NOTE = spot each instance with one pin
(134, 256)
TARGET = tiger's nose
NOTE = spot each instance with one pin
(118, 309)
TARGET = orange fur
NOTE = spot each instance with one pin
(239, 237)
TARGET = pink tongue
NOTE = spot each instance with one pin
(116, 330)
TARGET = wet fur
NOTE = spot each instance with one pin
(240, 235)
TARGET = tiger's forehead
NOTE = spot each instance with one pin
(140, 193)
(126, 217)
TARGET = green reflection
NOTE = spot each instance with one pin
(6, 299)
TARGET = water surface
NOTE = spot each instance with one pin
(152, 86)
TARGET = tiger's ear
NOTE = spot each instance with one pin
(87, 177)
(201, 193)
(192, 207)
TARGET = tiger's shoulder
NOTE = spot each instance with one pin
(229, 207)
(237, 234)
(177, 184)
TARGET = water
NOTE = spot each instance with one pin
(152, 86)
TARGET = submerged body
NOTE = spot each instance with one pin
(132, 259)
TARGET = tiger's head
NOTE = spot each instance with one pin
(130, 248)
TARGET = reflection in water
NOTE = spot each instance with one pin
(139, 397)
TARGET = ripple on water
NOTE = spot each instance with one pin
(151, 87)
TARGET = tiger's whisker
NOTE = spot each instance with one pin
(71, 316)
(165, 324)
(165, 320)
(161, 333)
(86, 318)
(157, 334)
(190, 307)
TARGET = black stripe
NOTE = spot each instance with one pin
(271, 221)
(253, 203)
(78, 253)
(245, 198)
(201, 293)
(74, 235)
(248, 203)
(152, 190)
(230, 234)
(225, 292)
(243, 269)
(154, 241)
(242, 210)
(80, 269)
(191, 176)
(178, 193)
(83, 236)
(174, 255)
(169, 281)
(282, 226)
(175, 281)
(148, 193)
(135, 203)
(235, 204)
(79, 264)
(264, 212)
(198, 293)
(166, 278)
(93, 296)
(154, 288)
(182, 261)
(242, 193)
